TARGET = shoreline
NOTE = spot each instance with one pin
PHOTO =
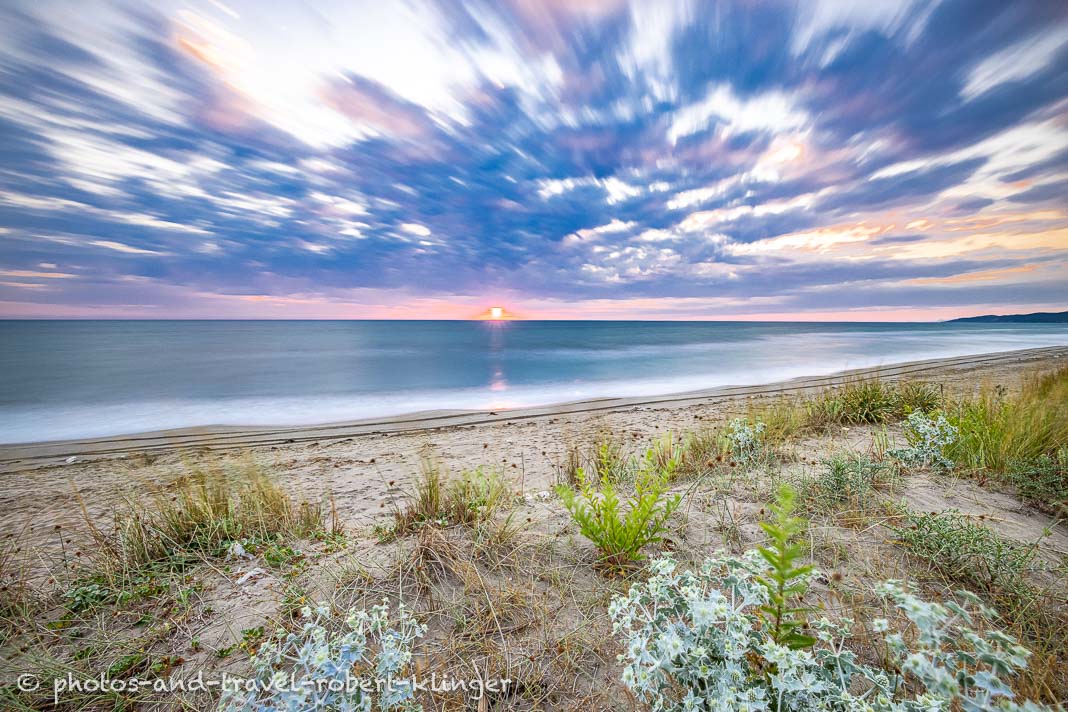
(214, 437)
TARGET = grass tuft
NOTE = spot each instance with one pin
(473, 498)
(201, 513)
(997, 429)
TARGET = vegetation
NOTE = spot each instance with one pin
(620, 531)
(845, 480)
(224, 568)
(967, 552)
(1042, 481)
(786, 578)
(201, 513)
(695, 641)
(998, 430)
(859, 402)
(471, 499)
(928, 438)
(320, 666)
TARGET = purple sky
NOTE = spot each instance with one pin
(565, 159)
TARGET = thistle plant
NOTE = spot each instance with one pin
(928, 438)
(703, 641)
(745, 439)
(322, 669)
(620, 531)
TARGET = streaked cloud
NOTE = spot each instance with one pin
(660, 158)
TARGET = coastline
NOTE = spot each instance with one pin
(18, 456)
(358, 475)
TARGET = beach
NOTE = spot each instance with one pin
(366, 465)
(514, 589)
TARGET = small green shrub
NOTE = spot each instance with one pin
(1042, 481)
(620, 531)
(928, 439)
(746, 439)
(87, 596)
(786, 579)
(967, 552)
(319, 667)
(845, 479)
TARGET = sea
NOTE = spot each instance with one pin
(85, 379)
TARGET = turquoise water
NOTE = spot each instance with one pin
(68, 379)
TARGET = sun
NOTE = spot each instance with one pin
(495, 313)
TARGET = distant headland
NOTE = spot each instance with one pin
(1036, 318)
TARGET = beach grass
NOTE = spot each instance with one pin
(999, 430)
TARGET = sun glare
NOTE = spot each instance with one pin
(496, 312)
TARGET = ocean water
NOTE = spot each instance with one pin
(76, 379)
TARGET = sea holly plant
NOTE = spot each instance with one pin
(364, 663)
(715, 639)
(928, 438)
(745, 438)
(620, 531)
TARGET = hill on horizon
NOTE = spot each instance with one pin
(1034, 318)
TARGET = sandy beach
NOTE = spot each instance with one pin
(521, 594)
(365, 465)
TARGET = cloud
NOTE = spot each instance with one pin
(444, 152)
(127, 249)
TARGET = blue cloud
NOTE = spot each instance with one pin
(552, 152)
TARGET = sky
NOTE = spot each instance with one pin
(644, 159)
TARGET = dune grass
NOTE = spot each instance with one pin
(859, 402)
(436, 500)
(201, 513)
(997, 429)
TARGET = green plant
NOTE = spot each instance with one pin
(844, 479)
(472, 498)
(913, 396)
(868, 401)
(967, 552)
(928, 439)
(199, 514)
(997, 429)
(319, 665)
(620, 532)
(700, 640)
(87, 596)
(786, 579)
(746, 439)
(860, 402)
(476, 496)
(1042, 481)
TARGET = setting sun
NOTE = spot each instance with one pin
(495, 313)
